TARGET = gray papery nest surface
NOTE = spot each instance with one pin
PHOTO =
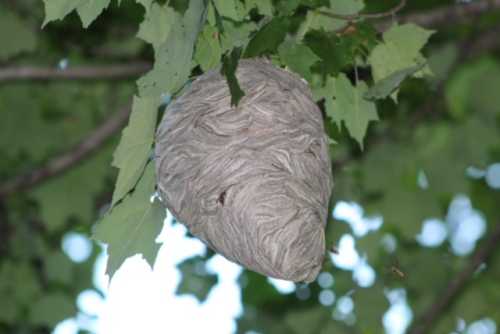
(253, 181)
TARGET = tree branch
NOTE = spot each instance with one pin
(485, 41)
(5, 230)
(457, 285)
(61, 163)
(445, 15)
(431, 18)
(104, 72)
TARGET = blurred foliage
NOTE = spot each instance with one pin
(440, 126)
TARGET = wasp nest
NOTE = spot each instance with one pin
(253, 181)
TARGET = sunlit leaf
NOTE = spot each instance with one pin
(400, 50)
(89, 10)
(347, 105)
(231, 9)
(208, 48)
(58, 9)
(157, 24)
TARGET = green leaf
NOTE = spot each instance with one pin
(286, 7)
(322, 45)
(196, 280)
(388, 85)
(208, 50)
(267, 39)
(51, 309)
(235, 35)
(400, 50)
(232, 9)
(408, 37)
(89, 10)
(264, 7)
(229, 66)
(134, 149)
(132, 226)
(173, 57)
(24, 41)
(157, 24)
(58, 9)
(348, 105)
(298, 57)
(317, 21)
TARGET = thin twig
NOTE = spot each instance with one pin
(103, 72)
(356, 17)
(452, 14)
(456, 286)
(65, 161)
(431, 18)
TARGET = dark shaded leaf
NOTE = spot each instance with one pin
(325, 46)
(267, 39)
(229, 66)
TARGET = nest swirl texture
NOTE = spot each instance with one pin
(253, 181)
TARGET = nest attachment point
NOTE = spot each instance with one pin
(253, 181)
